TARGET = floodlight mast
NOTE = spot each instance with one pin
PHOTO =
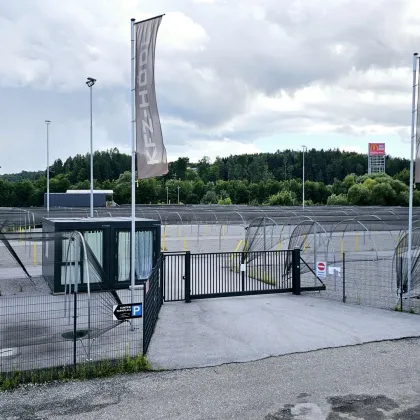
(90, 82)
(48, 122)
(410, 204)
(304, 149)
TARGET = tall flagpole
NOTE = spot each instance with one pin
(133, 170)
(410, 211)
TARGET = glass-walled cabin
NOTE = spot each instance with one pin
(109, 244)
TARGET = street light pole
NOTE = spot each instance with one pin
(304, 148)
(90, 82)
(410, 208)
(167, 195)
(178, 194)
(48, 122)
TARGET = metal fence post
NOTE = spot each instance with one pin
(401, 284)
(145, 311)
(75, 291)
(187, 277)
(75, 329)
(242, 271)
(296, 271)
(344, 277)
(162, 279)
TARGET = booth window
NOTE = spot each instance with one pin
(94, 238)
(144, 255)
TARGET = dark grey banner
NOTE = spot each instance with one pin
(151, 152)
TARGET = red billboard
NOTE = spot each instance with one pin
(376, 149)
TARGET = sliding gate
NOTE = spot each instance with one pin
(198, 276)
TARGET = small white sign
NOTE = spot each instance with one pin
(321, 269)
(243, 267)
(334, 270)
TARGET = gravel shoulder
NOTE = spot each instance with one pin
(372, 381)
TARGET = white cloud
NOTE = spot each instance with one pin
(214, 148)
(236, 69)
(180, 33)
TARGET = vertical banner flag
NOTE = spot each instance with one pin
(151, 152)
(417, 157)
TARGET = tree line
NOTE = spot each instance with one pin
(332, 177)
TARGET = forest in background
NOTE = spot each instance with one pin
(331, 177)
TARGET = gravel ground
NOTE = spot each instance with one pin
(376, 381)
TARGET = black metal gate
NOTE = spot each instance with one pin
(199, 276)
(152, 302)
(174, 265)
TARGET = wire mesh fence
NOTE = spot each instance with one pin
(46, 331)
(366, 282)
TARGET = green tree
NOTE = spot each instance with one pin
(383, 195)
(349, 181)
(369, 183)
(337, 200)
(210, 197)
(359, 195)
(403, 176)
(282, 198)
(203, 168)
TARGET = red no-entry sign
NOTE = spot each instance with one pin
(321, 269)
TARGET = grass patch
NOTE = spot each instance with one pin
(256, 274)
(82, 371)
(397, 308)
(262, 276)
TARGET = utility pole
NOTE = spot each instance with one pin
(304, 148)
(90, 82)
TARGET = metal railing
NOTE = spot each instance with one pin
(153, 299)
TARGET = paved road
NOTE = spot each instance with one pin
(211, 332)
(375, 381)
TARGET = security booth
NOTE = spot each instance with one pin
(110, 242)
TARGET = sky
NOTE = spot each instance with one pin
(232, 76)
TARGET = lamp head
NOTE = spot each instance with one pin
(90, 81)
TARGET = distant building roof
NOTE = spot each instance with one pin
(106, 192)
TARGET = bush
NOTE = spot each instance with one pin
(383, 195)
(337, 200)
(210, 197)
(398, 186)
(224, 201)
(282, 198)
(359, 195)
(369, 183)
(402, 198)
(416, 198)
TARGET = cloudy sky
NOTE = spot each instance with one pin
(232, 76)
